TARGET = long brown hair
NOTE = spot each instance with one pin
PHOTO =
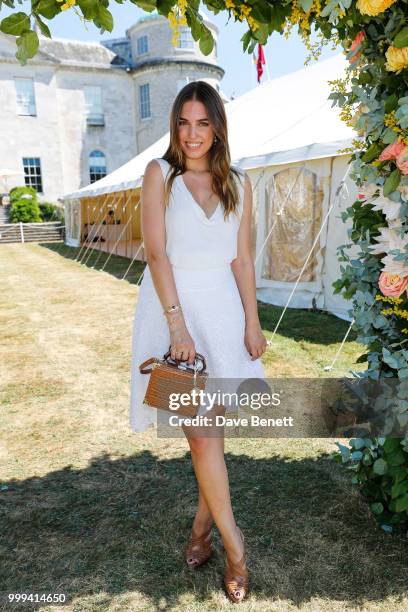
(223, 183)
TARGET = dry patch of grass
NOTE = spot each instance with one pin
(99, 513)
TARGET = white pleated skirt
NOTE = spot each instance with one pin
(215, 319)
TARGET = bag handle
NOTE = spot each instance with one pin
(198, 357)
(142, 367)
(145, 370)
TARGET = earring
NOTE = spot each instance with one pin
(215, 139)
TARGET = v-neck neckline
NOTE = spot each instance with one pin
(198, 205)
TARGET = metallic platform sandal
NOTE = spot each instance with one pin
(199, 549)
(236, 580)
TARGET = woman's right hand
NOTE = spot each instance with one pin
(182, 344)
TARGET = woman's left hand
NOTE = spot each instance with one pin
(255, 341)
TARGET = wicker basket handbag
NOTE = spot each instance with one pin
(168, 376)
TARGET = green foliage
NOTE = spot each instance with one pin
(16, 193)
(24, 205)
(401, 39)
(50, 212)
(380, 470)
(27, 45)
(392, 181)
(26, 211)
(389, 26)
(364, 220)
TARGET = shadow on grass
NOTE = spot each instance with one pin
(92, 258)
(120, 527)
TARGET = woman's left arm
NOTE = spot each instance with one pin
(243, 269)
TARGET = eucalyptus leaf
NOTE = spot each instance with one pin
(380, 466)
(377, 507)
(306, 5)
(389, 136)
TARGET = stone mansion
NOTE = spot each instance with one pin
(79, 110)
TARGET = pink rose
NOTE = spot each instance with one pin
(392, 285)
(358, 39)
(402, 160)
(391, 151)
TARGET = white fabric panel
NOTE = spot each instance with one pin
(337, 235)
(278, 292)
(72, 216)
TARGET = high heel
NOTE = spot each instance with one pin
(236, 579)
(199, 549)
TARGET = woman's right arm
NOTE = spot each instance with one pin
(154, 238)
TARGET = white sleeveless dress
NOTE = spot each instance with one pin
(200, 251)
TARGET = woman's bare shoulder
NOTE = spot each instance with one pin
(157, 166)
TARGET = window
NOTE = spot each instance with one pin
(97, 166)
(32, 173)
(144, 101)
(142, 45)
(185, 41)
(25, 96)
(93, 103)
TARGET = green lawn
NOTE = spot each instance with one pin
(90, 509)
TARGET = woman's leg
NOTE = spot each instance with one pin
(207, 454)
(203, 518)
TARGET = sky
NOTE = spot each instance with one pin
(282, 55)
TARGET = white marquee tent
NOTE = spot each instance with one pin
(286, 135)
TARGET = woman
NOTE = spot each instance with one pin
(198, 295)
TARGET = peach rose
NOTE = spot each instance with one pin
(391, 151)
(392, 285)
(358, 39)
(402, 160)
